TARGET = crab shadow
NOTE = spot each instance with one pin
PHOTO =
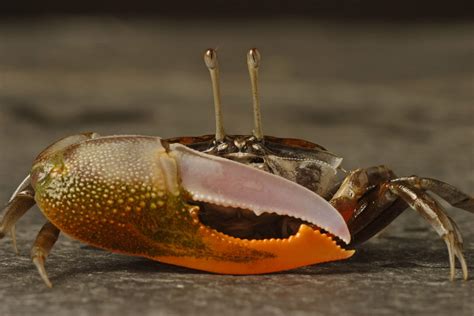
(369, 259)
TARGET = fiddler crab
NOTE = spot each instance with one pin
(229, 204)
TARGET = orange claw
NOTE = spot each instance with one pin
(307, 247)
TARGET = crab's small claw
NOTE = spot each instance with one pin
(227, 183)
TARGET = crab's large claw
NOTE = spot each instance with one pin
(143, 196)
(222, 182)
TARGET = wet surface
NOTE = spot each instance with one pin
(391, 94)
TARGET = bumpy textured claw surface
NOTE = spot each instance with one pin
(134, 195)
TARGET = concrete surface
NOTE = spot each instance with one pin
(401, 95)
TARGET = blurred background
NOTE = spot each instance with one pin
(376, 82)
(368, 9)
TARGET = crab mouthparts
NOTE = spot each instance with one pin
(226, 188)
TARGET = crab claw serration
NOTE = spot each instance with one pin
(224, 182)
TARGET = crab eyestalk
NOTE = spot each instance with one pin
(210, 59)
(253, 63)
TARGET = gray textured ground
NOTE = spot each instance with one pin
(395, 94)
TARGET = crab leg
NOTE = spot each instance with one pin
(370, 199)
(354, 187)
(375, 211)
(446, 191)
(350, 191)
(364, 204)
(24, 184)
(434, 214)
(44, 242)
(19, 204)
